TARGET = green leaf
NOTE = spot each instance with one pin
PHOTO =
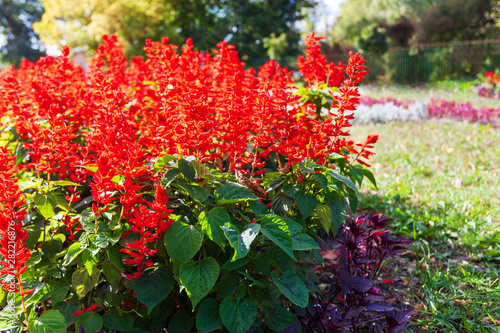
(344, 180)
(51, 248)
(117, 320)
(302, 242)
(45, 204)
(67, 309)
(29, 184)
(280, 319)
(306, 203)
(199, 277)
(182, 241)
(227, 286)
(112, 274)
(338, 219)
(276, 229)
(162, 161)
(201, 170)
(231, 265)
(73, 251)
(208, 318)
(212, 222)
(357, 173)
(89, 261)
(181, 322)
(100, 240)
(115, 256)
(90, 321)
(238, 317)
(64, 183)
(281, 205)
(59, 292)
(276, 183)
(34, 233)
(240, 242)
(368, 174)
(50, 321)
(83, 282)
(233, 193)
(325, 217)
(258, 207)
(153, 287)
(292, 286)
(321, 178)
(187, 169)
(196, 192)
(170, 176)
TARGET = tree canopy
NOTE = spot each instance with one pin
(16, 18)
(405, 21)
(244, 23)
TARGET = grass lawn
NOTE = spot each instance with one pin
(441, 181)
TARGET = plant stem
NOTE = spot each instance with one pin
(22, 299)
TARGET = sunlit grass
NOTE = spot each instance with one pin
(441, 181)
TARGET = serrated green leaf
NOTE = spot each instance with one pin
(198, 193)
(344, 180)
(201, 170)
(183, 241)
(67, 309)
(306, 203)
(73, 251)
(45, 204)
(59, 292)
(153, 287)
(232, 265)
(233, 193)
(90, 321)
(303, 242)
(325, 217)
(208, 318)
(276, 183)
(240, 242)
(258, 207)
(187, 169)
(280, 319)
(275, 228)
(162, 161)
(50, 321)
(170, 176)
(83, 282)
(112, 274)
(292, 286)
(199, 277)
(281, 205)
(212, 222)
(238, 317)
(117, 320)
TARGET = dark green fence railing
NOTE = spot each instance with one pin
(442, 61)
(422, 63)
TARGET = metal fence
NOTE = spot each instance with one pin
(424, 62)
(443, 61)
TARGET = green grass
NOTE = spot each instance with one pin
(441, 181)
(459, 91)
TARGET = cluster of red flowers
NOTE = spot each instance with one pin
(120, 116)
(12, 235)
(492, 78)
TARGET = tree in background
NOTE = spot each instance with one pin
(244, 23)
(457, 20)
(407, 21)
(16, 18)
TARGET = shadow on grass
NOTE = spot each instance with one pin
(452, 272)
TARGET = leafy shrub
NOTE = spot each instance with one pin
(174, 192)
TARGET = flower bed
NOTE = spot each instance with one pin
(175, 191)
